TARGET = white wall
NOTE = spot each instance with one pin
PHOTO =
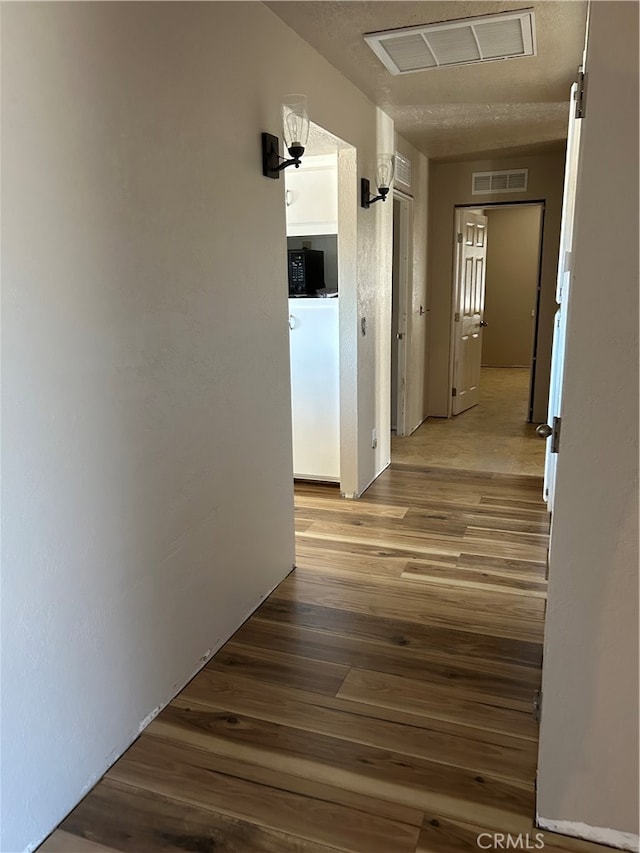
(147, 498)
(419, 314)
(588, 760)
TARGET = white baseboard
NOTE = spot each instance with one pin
(597, 834)
(316, 478)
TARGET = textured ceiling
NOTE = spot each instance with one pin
(322, 142)
(450, 112)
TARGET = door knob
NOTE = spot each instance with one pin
(483, 324)
(544, 431)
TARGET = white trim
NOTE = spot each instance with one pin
(315, 478)
(597, 834)
(402, 195)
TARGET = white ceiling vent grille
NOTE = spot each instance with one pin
(503, 36)
(403, 170)
(510, 181)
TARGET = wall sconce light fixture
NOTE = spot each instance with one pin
(384, 176)
(295, 125)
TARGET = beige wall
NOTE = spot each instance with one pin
(588, 761)
(147, 468)
(450, 186)
(513, 256)
(417, 392)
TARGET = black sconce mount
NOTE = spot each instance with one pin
(272, 162)
(365, 194)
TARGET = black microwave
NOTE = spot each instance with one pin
(306, 272)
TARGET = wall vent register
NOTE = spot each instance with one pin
(403, 170)
(505, 181)
(507, 35)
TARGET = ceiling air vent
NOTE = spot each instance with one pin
(483, 39)
(403, 170)
(510, 181)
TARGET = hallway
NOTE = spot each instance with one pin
(492, 436)
(378, 702)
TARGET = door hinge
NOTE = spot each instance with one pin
(580, 95)
(537, 705)
(555, 435)
(456, 317)
(454, 392)
(459, 238)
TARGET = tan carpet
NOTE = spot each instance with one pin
(492, 436)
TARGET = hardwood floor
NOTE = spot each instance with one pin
(380, 701)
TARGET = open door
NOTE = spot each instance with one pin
(551, 430)
(401, 282)
(470, 271)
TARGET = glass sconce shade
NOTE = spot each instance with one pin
(295, 121)
(295, 125)
(384, 170)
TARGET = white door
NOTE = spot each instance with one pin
(562, 296)
(471, 257)
(401, 298)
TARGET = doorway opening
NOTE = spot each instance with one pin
(494, 323)
(321, 212)
(494, 319)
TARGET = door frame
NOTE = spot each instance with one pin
(563, 290)
(348, 195)
(405, 265)
(536, 328)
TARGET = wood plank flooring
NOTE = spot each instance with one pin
(378, 702)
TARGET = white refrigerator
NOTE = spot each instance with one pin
(315, 388)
